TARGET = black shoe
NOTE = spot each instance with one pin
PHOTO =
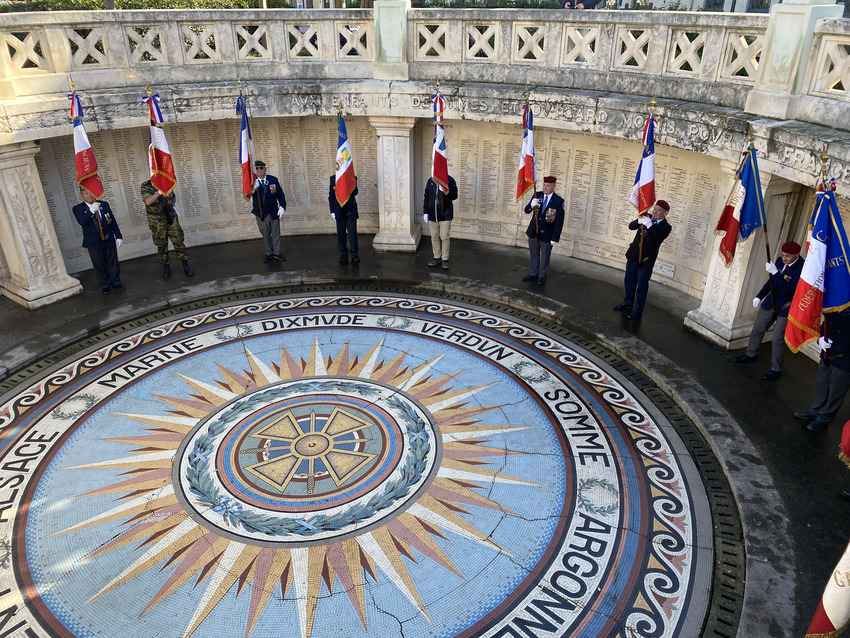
(745, 358)
(119, 286)
(343, 260)
(806, 415)
(104, 291)
(633, 315)
(445, 264)
(267, 259)
(529, 277)
(280, 257)
(355, 259)
(772, 375)
(187, 270)
(435, 262)
(845, 494)
(166, 271)
(623, 306)
(817, 425)
(542, 281)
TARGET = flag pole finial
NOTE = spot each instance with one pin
(239, 83)
(71, 83)
(652, 104)
(751, 135)
(148, 88)
(824, 158)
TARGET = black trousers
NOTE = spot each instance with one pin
(104, 260)
(346, 225)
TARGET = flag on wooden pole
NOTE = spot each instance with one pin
(824, 284)
(439, 161)
(744, 210)
(161, 164)
(643, 191)
(87, 176)
(345, 182)
(246, 149)
(527, 174)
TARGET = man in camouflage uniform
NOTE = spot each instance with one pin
(164, 225)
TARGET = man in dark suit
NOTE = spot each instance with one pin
(268, 204)
(102, 237)
(781, 284)
(833, 378)
(346, 223)
(652, 230)
(438, 212)
(544, 229)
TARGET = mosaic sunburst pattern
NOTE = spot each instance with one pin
(347, 466)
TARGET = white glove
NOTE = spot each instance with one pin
(257, 183)
(535, 202)
(554, 242)
(426, 218)
(646, 221)
(333, 216)
(280, 211)
(95, 208)
(771, 268)
(118, 242)
(756, 302)
(825, 344)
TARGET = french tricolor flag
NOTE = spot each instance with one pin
(744, 210)
(162, 166)
(345, 183)
(439, 162)
(643, 191)
(246, 150)
(527, 174)
(87, 176)
(824, 284)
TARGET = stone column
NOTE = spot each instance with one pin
(726, 315)
(398, 230)
(37, 274)
(787, 52)
(391, 39)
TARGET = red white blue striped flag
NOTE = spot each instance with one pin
(345, 182)
(824, 284)
(527, 174)
(744, 210)
(246, 150)
(439, 162)
(643, 191)
(161, 164)
(87, 176)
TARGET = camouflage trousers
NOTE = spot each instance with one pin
(161, 232)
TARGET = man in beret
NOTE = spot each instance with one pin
(544, 229)
(268, 204)
(652, 229)
(781, 285)
(102, 238)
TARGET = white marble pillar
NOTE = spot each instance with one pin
(391, 39)
(786, 55)
(398, 230)
(36, 271)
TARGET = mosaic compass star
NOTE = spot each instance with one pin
(366, 466)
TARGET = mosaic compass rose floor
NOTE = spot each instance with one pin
(346, 465)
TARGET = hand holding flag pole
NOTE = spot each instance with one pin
(760, 200)
(643, 193)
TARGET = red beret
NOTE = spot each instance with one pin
(791, 247)
(663, 205)
(550, 179)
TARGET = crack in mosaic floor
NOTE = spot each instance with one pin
(348, 465)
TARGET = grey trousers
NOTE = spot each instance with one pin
(830, 389)
(764, 319)
(270, 230)
(539, 254)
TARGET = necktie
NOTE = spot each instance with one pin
(784, 268)
(545, 202)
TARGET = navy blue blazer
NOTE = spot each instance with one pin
(549, 222)
(270, 201)
(653, 237)
(87, 219)
(784, 284)
(350, 208)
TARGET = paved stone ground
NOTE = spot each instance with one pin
(786, 478)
